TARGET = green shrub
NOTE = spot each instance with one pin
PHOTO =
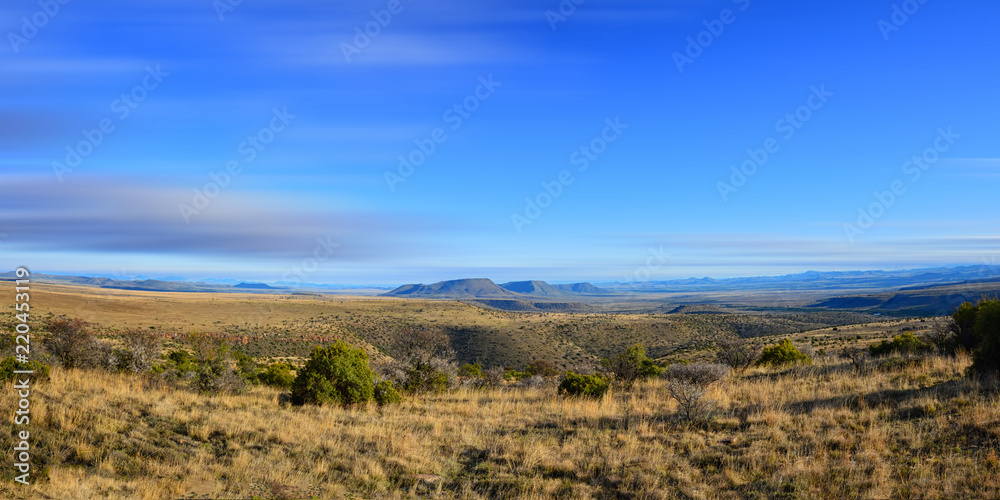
(386, 393)
(591, 386)
(473, 370)
(247, 367)
(906, 343)
(338, 374)
(632, 365)
(986, 331)
(277, 375)
(963, 321)
(9, 364)
(213, 366)
(782, 353)
(512, 375)
(426, 378)
(181, 361)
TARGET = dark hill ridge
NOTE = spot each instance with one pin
(585, 288)
(149, 285)
(484, 288)
(473, 288)
(255, 286)
(539, 288)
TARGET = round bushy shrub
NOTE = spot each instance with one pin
(427, 378)
(9, 364)
(386, 393)
(986, 358)
(906, 343)
(783, 353)
(338, 374)
(471, 370)
(591, 386)
(632, 365)
(277, 375)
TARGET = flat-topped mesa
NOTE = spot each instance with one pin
(454, 289)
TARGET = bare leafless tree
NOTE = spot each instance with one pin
(70, 341)
(737, 354)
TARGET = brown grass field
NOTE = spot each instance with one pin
(290, 325)
(811, 432)
(919, 429)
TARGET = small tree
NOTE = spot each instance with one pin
(632, 365)
(737, 354)
(857, 356)
(590, 386)
(426, 378)
(783, 353)
(688, 383)
(691, 402)
(543, 368)
(426, 361)
(71, 343)
(213, 366)
(962, 324)
(986, 331)
(338, 374)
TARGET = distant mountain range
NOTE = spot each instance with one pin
(484, 288)
(817, 280)
(150, 285)
(915, 291)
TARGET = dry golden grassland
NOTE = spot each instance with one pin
(909, 430)
(290, 325)
(825, 431)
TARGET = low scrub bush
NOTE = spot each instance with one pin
(737, 354)
(632, 365)
(542, 368)
(590, 386)
(213, 366)
(470, 370)
(512, 375)
(906, 344)
(782, 353)
(70, 342)
(692, 404)
(338, 374)
(181, 360)
(687, 383)
(701, 374)
(277, 375)
(427, 378)
(857, 356)
(492, 378)
(9, 364)
(139, 351)
(386, 393)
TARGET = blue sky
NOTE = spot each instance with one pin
(263, 140)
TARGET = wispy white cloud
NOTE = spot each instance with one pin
(116, 216)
